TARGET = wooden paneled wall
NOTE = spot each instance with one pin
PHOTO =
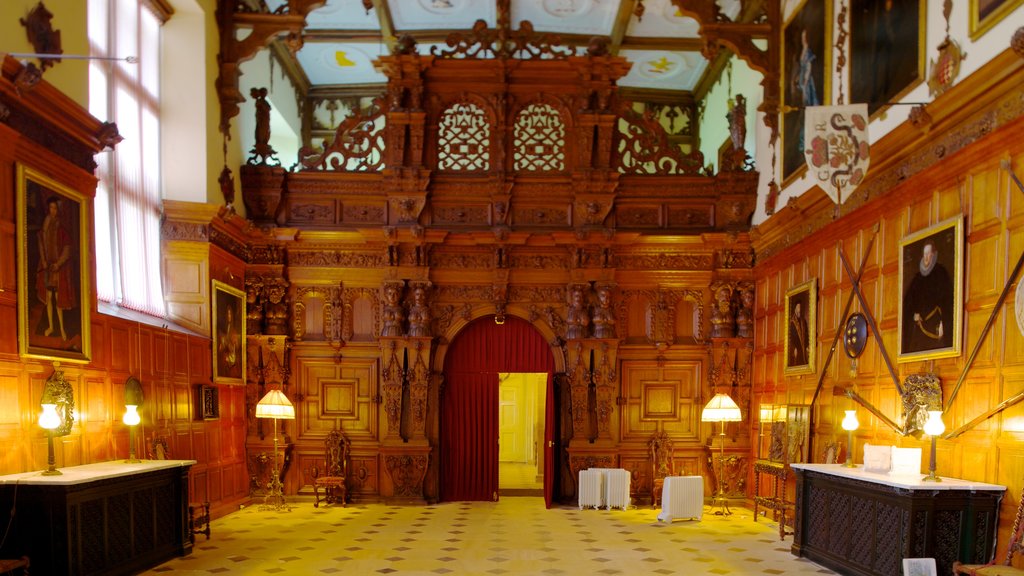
(925, 174)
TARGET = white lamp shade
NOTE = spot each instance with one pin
(934, 426)
(766, 412)
(275, 405)
(49, 419)
(721, 408)
(131, 415)
(850, 420)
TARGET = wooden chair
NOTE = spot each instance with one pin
(661, 450)
(1004, 569)
(336, 449)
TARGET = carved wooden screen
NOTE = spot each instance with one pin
(539, 139)
(464, 138)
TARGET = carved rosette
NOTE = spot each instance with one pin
(392, 377)
(406, 472)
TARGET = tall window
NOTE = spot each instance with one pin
(128, 200)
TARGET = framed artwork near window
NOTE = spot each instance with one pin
(887, 50)
(54, 293)
(987, 13)
(931, 303)
(801, 328)
(806, 56)
(228, 315)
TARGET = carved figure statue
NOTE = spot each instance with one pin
(419, 312)
(576, 318)
(275, 316)
(394, 316)
(262, 153)
(723, 325)
(604, 317)
(745, 315)
(737, 117)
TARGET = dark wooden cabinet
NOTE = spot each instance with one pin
(107, 518)
(865, 524)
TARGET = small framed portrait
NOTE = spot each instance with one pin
(887, 50)
(228, 333)
(801, 306)
(209, 402)
(931, 305)
(805, 82)
(987, 13)
(54, 295)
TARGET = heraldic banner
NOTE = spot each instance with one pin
(837, 148)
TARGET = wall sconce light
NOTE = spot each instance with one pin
(49, 420)
(850, 424)
(132, 401)
(934, 427)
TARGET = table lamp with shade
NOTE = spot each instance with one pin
(722, 409)
(850, 424)
(276, 406)
(933, 427)
(132, 401)
(57, 403)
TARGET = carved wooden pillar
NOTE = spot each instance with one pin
(606, 382)
(392, 352)
(419, 353)
(579, 386)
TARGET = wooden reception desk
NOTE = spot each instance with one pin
(104, 518)
(857, 522)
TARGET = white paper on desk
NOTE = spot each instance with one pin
(906, 461)
(877, 458)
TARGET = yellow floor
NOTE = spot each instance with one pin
(515, 535)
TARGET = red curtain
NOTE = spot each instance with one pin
(469, 407)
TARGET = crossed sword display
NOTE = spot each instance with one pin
(849, 393)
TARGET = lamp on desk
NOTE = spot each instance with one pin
(850, 424)
(276, 406)
(132, 400)
(58, 404)
(49, 420)
(722, 409)
(934, 427)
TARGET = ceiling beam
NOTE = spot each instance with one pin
(670, 44)
(626, 8)
(387, 26)
(280, 52)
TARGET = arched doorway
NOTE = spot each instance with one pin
(469, 405)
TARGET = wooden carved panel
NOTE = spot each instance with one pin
(660, 396)
(333, 391)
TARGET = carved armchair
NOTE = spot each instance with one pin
(661, 451)
(332, 478)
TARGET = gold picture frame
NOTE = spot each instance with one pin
(887, 53)
(987, 13)
(804, 76)
(931, 296)
(53, 260)
(228, 329)
(800, 346)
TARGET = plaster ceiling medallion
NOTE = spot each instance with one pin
(567, 8)
(443, 6)
(661, 65)
(339, 63)
(350, 12)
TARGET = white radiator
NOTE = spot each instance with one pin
(682, 497)
(591, 489)
(616, 488)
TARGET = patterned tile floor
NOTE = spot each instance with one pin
(515, 535)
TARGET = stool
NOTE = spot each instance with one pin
(8, 566)
(198, 520)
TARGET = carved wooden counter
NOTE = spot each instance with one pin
(857, 522)
(104, 518)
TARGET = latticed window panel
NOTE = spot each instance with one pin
(539, 139)
(464, 138)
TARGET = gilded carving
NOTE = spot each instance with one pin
(540, 216)
(362, 214)
(188, 231)
(476, 260)
(582, 462)
(392, 376)
(392, 314)
(335, 259)
(312, 213)
(665, 261)
(467, 294)
(419, 383)
(461, 214)
(228, 243)
(536, 294)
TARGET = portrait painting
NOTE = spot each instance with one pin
(931, 305)
(987, 13)
(54, 295)
(887, 50)
(801, 304)
(805, 59)
(228, 333)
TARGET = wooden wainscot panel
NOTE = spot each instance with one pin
(659, 395)
(179, 355)
(183, 403)
(123, 342)
(364, 474)
(333, 392)
(985, 274)
(186, 284)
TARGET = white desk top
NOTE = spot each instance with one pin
(910, 481)
(91, 472)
